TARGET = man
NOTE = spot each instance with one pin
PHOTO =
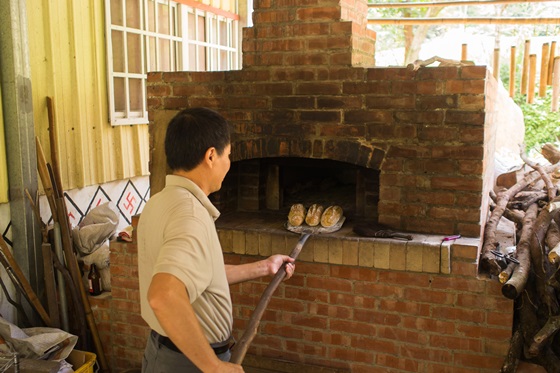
(184, 283)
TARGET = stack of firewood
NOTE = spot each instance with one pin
(530, 271)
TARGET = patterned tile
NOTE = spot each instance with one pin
(99, 197)
(7, 234)
(129, 202)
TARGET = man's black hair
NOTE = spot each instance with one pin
(191, 133)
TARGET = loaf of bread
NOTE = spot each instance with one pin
(297, 214)
(314, 214)
(331, 216)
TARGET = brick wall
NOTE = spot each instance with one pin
(356, 304)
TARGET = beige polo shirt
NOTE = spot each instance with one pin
(177, 235)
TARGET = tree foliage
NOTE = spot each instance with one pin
(541, 124)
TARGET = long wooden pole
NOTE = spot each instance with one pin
(555, 84)
(532, 78)
(496, 64)
(466, 21)
(70, 256)
(544, 70)
(451, 3)
(512, 72)
(525, 71)
(240, 349)
(464, 52)
(551, 61)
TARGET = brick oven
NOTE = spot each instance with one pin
(413, 148)
(313, 120)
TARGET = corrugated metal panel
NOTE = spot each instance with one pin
(67, 49)
(3, 164)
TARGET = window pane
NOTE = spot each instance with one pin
(223, 34)
(192, 58)
(201, 56)
(163, 19)
(133, 14)
(191, 27)
(201, 29)
(152, 58)
(151, 16)
(212, 38)
(136, 94)
(223, 60)
(134, 48)
(163, 54)
(117, 38)
(116, 12)
(119, 86)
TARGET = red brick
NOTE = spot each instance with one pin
(429, 325)
(479, 361)
(426, 353)
(395, 362)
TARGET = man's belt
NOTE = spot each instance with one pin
(219, 348)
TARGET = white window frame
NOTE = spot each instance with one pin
(179, 57)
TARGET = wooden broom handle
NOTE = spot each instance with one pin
(240, 349)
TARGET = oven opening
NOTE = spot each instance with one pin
(272, 185)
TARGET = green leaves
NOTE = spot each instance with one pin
(541, 124)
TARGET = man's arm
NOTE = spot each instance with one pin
(267, 267)
(169, 299)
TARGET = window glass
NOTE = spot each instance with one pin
(133, 17)
(116, 12)
(134, 50)
(136, 96)
(120, 94)
(118, 51)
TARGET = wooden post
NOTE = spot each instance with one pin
(496, 63)
(464, 52)
(525, 71)
(512, 72)
(551, 61)
(532, 78)
(543, 76)
(555, 83)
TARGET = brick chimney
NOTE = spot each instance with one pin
(317, 33)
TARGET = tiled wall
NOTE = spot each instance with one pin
(129, 197)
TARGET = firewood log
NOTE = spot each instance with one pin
(551, 153)
(514, 353)
(505, 275)
(541, 267)
(550, 187)
(487, 259)
(548, 330)
(515, 285)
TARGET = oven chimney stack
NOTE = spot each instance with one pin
(309, 33)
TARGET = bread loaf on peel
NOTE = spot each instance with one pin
(331, 216)
(297, 214)
(314, 214)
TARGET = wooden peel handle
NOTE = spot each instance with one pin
(240, 349)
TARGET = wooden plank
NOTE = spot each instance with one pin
(465, 21)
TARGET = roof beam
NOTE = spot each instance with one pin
(464, 21)
(451, 3)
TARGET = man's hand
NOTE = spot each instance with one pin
(275, 262)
